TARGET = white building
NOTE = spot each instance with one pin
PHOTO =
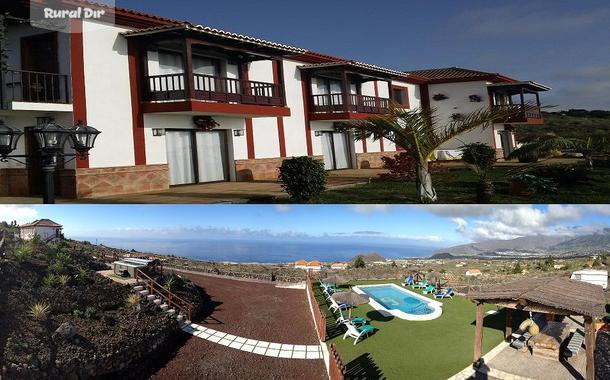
(44, 228)
(473, 272)
(592, 276)
(180, 104)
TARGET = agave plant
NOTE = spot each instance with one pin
(132, 300)
(39, 311)
(63, 279)
(50, 280)
(420, 132)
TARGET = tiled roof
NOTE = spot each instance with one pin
(216, 32)
(300, 262)
(451, 73)
(357, 64)
(42, 223)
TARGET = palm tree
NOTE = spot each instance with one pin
(543, 146)
(420, 132)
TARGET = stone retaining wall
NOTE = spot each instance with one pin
(260, 169)
(100, 182)
(372, 160)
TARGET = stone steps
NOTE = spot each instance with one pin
(159, 302)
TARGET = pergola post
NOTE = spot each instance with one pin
(508, 331)
(590, 347)
(478, 334)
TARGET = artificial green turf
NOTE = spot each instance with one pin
(402, 349)
(458, 186)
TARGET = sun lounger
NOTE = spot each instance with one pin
(429, 289)
(575, 344)
(418, 285)
(408, 281)
(334, 306)
(357, 321)
(357, 332)
(446, 294)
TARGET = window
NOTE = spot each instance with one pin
(400, 96)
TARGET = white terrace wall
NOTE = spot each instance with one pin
(458, 102)
(294, 125)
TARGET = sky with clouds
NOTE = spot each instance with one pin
(564, 44)
(426, 225)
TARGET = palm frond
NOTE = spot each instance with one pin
(546, 145)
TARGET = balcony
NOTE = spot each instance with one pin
(333, 106)
(529, 114)
(524, 95)
(22, 90)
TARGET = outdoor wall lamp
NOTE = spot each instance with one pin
(51, 138)
(158, 132)
(238, 132)
(318, 133)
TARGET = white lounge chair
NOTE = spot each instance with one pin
(334, 306)
(354, 321)
(357, 332)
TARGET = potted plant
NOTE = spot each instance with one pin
(480, 158)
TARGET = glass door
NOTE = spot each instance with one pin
(180, 157)
(212, 160)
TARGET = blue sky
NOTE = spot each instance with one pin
(564, 44)
(431, 225)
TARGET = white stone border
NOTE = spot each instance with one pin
(435, 305)
(276, 350)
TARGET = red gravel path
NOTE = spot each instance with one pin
(251, 310)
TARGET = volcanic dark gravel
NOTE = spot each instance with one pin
(252, 310)
(602, 356)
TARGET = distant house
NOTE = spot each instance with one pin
(339, 266)
(314, 266)
(592, 276)
(44, 228)
(300, 264)
(473, 272)
(310, 266)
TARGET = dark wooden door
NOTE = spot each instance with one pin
(39, 55)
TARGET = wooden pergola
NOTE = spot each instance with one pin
(559, 296)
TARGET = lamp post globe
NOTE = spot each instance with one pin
(82, 138)
(51, 137)
(9, 137)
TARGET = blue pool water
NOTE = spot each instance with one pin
(391, 297)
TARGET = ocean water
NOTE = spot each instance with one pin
(259, 251)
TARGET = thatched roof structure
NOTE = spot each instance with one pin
(553, 295)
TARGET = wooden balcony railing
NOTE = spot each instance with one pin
(333, 103)
(527, 111)
(212, 88)
(165, 294)
(33, 87)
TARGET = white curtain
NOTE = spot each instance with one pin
(180, 157)
(169, 63)
(336, 97)
(212, 156)
(205, 66)
(327, 150)
(342, 157)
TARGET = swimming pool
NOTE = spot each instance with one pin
(391, 299)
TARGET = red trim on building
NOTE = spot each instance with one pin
(280, 120)
(376, 87)
(216, 108)
(305, 91)
(137, 124)
(364, 146)
(245, 75)
(424, 96)
(77, 64)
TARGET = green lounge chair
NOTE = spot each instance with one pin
(419, 285)
(429, 289)
(358, 332)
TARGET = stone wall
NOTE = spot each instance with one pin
(372, 160)
(100, 182)
(260, 169)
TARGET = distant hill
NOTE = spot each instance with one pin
(599, 240)
(568, 124)
(369, 257)
(530, 246)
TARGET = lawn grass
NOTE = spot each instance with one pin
(458, 186)
(401, 349)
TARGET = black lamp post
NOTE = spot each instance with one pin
(51, 138)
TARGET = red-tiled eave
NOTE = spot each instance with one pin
(457, 74)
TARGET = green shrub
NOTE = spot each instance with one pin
(359, 262)
(536, 184)
(562, 174)
(479, 157)
(303, 178)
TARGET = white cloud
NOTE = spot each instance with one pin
(369, 209)
(21, 214)
(282, 208)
